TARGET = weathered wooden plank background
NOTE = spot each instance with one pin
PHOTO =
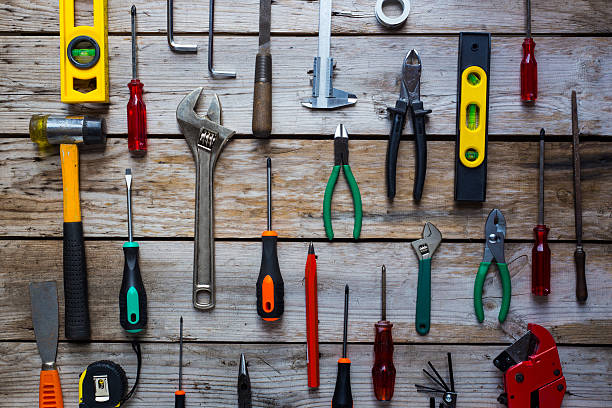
(573, 52)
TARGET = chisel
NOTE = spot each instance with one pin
(45, 318)
(262, 92)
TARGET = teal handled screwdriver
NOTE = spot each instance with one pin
(132, 297)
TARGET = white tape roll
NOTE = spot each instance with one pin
(392, 22)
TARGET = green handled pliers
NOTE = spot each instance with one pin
(425, 248)
(495, 233)
(341, 156)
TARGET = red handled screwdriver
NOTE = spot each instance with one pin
(136, 108)
(312, 319)
(540, 254)
(343, 396)
(270, 286)
(529, 65)
(383, 372)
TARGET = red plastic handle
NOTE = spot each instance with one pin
(529, 72)
(137, 120)
(540, 262)
(383, 372)
(312, 322)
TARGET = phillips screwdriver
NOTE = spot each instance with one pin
(136, 109)
(132, 296)
(312, 319)
(343, 396)
(540, 254)
(529, 65)
(383, 372)
(179, 395)
(270, 285)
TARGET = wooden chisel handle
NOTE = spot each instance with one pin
(50, 390)
(262, 96)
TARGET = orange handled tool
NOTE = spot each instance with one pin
(383, 372)
(179, 395)
(343, 395)
(270, 285)
(312, 319)
(45, 319)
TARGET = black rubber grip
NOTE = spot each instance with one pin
(179, 400)
(133, 320)
(75, 283)
(343, 395)
(420, 164)
(581, 286)
(398, 115)
(270, 267)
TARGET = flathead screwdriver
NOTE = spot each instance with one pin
(270, 286)
(132, 296)
(343, 396)
(136, 108)
(529, 65)
(383, 371)
(540, 254)
(179, 395)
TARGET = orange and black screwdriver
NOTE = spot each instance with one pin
(270, 285)
(179, 395)
(540, 254)
(529, 65)
(343, 396)
(383, 371)
(136, 109)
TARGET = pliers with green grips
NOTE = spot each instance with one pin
(495, 233)
(341, 160)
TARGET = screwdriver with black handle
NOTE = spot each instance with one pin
(270, 286)
(132, 296)
(179, 395)
(383, 371)
(343, 396)
(540, 254)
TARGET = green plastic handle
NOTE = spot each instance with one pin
(506, 289)
(356, 200)
(423, 305)
(480, 278)
(329, 191)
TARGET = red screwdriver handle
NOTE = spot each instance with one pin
(540, 262)
(529, 72)
(312, 322)
(383, 371)
(137, 120)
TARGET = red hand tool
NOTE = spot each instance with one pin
(383, 372)
(529, 65)
(312, 319)
(533, 376)
(136, 108)
(540, 254)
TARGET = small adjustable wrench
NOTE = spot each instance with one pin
(206, 138)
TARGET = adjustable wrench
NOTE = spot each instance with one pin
(206, 138)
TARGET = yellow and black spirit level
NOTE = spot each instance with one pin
(84, 55)
(472, 116)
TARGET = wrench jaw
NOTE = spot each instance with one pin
(206, 138)
(426, 246)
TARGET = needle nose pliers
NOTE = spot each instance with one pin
(341, 159)
(495, 233)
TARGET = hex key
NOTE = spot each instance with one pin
(170, 29)
(211, 29)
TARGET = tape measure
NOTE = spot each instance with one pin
(104, 384)
(84, 55)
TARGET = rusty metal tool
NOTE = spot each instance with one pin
(174, 46)
(262, 89)
(211, 33)
(582, 292)
(324, 95)
(45, 318)
(206, 138)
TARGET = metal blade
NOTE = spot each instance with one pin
(517, 352)
(45, 318)
(411, 77)
(265, 11)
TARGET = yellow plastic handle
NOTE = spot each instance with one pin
(69, 154)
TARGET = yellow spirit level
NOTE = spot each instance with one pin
(84, 55)
(472, 117)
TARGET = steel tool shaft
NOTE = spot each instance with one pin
(579, 255)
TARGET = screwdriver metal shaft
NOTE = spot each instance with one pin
(136, 108)
(383, 371)
(540, 254)
(343, 396)
(179, 395)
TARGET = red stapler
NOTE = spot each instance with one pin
(533, 377)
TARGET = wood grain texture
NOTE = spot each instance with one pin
(294, 16)
(278, 373)
(167, 273)
(367, 66)
(164, 191)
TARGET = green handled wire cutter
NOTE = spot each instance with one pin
(341, 160)
(425, 248)
(495, 233)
